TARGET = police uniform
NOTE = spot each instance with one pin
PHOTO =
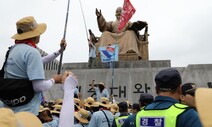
(119, 120)
(187, 117)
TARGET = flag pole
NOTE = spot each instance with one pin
(84, 19)
(64, 36)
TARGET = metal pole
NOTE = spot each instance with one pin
(64, 36)
(113, 63)
(83, 19)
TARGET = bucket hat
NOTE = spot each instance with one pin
(104, 102)
(82, 115)
(27, 27)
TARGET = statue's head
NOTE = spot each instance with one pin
(118, 12)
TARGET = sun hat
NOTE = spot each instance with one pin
(188, 88)
(168, 79)
(203, 103)
(82, 115)
(114, 108)
(41, 109)
(57, 109)
(27, 27)
(59, 101)
(104, 102)
(90, 102)
(78, 103)
(101, 83)
(21, 119)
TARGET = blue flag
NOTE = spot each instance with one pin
(109, 53)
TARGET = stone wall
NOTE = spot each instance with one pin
(128, 79)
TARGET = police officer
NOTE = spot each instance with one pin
(145, 99)
(123, 109)
(166, 109)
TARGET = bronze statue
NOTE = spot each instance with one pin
(128, 38)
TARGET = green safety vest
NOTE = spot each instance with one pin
(120, 120)
(159, 117)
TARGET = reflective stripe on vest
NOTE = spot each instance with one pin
(120, 120)
(160, 118)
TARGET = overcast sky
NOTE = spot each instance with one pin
(180, 30)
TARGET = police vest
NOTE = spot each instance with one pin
(120, 120)
(160, 117)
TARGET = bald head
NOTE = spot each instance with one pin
(118, 12)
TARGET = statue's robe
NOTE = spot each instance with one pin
(126, 39)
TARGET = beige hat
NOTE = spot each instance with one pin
(78, 103)
(59, 101)
(41, 109)
(90, 102)
(114, 108)
(104, 102)
(82, 115)
(57, 109)
(27, 27)
(101, 83)
(203, 98)
(25, 119)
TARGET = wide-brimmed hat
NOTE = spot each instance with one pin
(101, 83)
(59, 101)
(82, 115)
(77, 103)
(57, 109)
(90, 102)
(26, 119)
(27, 27)
(114, 108)
(41, 109)
(104, 102)
(203, 99)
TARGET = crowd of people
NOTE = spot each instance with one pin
(174, 105)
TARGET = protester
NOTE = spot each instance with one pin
(56, 111)
(21, 119)
(203, 99)
(145, 99)
(46, 117)
(76, 93)
(69, 81)
(82, 118)
(92, 54)
(91, 106)
(103, 117)
(166, 109)
(77, 104)
(188, 94)
(25, 62)
(100, 90)
(123, 109)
